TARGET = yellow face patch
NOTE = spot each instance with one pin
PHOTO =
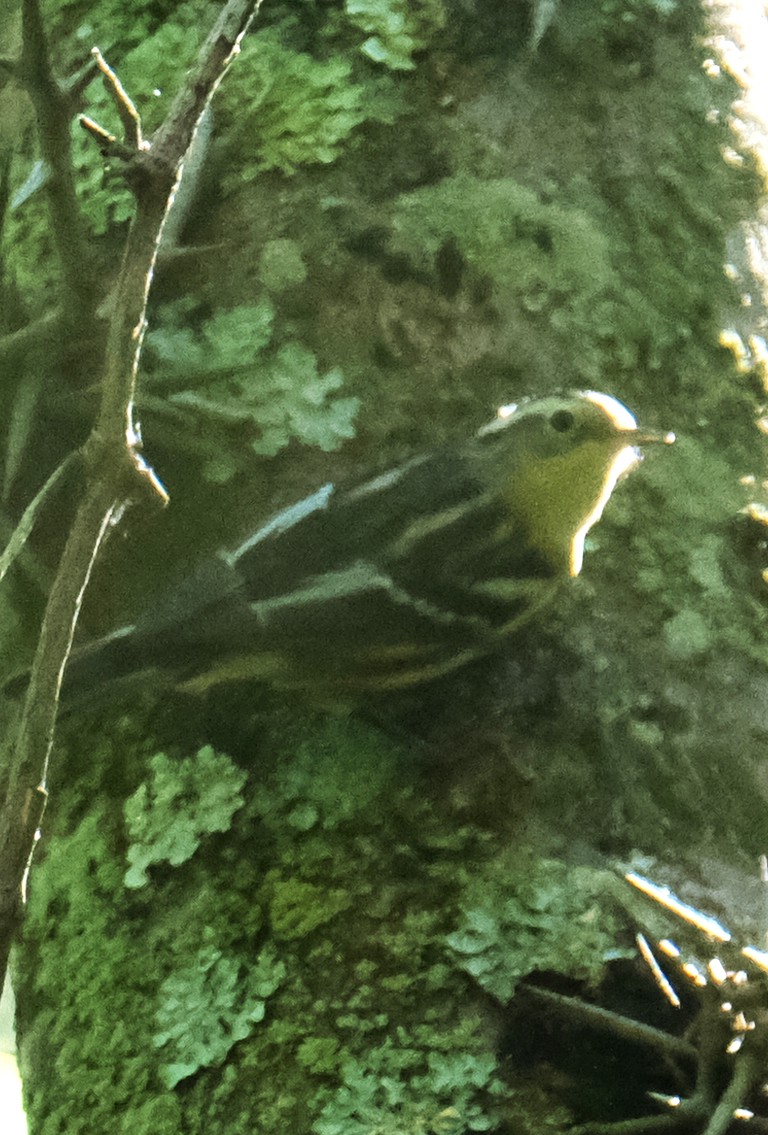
(559, 498)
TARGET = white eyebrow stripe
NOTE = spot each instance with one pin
(615, 410)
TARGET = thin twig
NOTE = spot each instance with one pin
(704, 923)
(154, 178)
(126, 109)
(103, 139)
(647, 1125)
(24, 804)
(15, 345)
(23, 529)
(615, 1023)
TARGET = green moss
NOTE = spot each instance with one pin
(299, 908)
(354, 992)
(319, 1055)
(338, 772)
(523, 914)
(534, 251)
(183, 801)
(76, 906)
(282, 265)
(208, 1006)
(687, 634)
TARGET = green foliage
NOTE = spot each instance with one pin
(233, 373)
(395, 29)
(620, 29)
(151, 60)
(218, 345)
(358, 950)
(356, 999)
(688, 633)
(112, 24)
(326, 784)
(27, 245)
(524, 914)
(693, 578)
(393, 928)
(183, 801)
(282, 109)
(208, 1006)
(602, 16)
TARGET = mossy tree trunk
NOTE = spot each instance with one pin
(251, 915)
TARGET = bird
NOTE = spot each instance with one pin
(394, 581)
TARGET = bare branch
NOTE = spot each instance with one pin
(101, 137)
(615, 1023)
(38, 334)
(52, 115)
(222, 45)
(117, 472)
(22, 810)
(153, 175)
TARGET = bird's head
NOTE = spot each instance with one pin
(556, 461)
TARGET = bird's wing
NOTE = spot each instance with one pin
(352, 628)
(402, 578)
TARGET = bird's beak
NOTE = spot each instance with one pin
(652, 437)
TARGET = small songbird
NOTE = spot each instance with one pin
(399, 580)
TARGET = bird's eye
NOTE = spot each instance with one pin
(562, 421)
